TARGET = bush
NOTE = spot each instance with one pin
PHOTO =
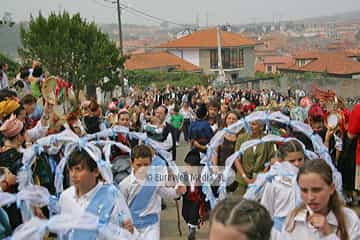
(160, 79)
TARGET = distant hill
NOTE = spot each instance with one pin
(353, 16)
(10, 40)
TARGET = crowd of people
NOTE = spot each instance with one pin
(81, 170)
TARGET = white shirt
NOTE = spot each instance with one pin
(187, 114)
(303, 229)
(4, 81)
(70, 202)
(130, 187)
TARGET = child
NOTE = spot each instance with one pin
(90, 194)
(322, 214)
(237, 218)
(281, 194)
(194, 207)
(144, 196)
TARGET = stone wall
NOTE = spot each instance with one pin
(344, 87)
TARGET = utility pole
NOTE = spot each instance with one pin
(121, 48)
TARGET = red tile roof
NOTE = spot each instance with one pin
(155, 60)
(330, 62)
(260, 67)
(207, 38)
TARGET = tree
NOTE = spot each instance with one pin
(13, 66)
(71, 47)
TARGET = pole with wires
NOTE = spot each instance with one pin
(121, 73)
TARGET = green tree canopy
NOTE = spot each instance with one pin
(71, 47)
(13, 66)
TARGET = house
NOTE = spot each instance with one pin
(201, 49)
(271, 64)
(163, 61)
(336, 64)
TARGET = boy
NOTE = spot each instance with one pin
(90, 194)
(144, 196)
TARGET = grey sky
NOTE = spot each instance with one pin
(185, 11)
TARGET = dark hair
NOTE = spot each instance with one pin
(94, 106)
(176, 108)
(201, 111)
(213, 104)
(247, 216)
(320, 167)
(81, 157)
(289, 147)
(141, 151)
(24, 73)
(6, 93)
(164, 107)
(28, 99)
(37, 71)
(18, 110)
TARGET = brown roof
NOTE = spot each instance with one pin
(156, 60)
(330, 62)
(207, 38)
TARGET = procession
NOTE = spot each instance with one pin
(278, 161)
(166, 130)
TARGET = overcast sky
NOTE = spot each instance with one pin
(184, 11)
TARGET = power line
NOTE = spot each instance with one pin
(101, 4)
(143, 13)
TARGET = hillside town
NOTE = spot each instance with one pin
(167, 130)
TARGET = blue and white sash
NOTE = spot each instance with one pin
(101, 205)
(142, 199)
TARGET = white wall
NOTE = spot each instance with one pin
(190, 55)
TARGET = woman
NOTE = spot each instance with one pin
(280, 194)
(188, 114)
(120, 160)
(13, 131)
(253, 160)
(322, 214)
(226, 148)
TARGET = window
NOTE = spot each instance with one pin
(269, 69)
(231, 58)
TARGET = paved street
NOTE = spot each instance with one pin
(169, 223)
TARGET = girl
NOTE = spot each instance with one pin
(226, 148)
(280, 194)
(322, 215)
(237, 218)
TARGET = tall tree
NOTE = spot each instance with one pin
(71, 47)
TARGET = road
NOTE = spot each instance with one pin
(169, 222)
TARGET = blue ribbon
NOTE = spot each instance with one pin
(247, 126)
(82, 143)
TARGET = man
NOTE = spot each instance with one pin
(4, 81)
(169, 132)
